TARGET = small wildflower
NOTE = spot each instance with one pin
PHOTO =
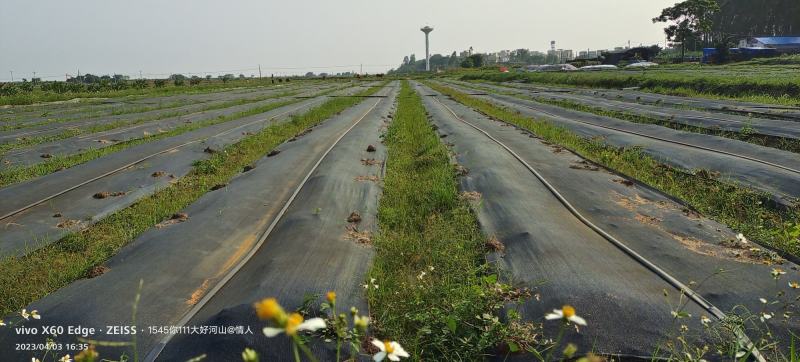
(269, 308)
(705, 321)
(295, 323)
(391, 350)
(766, 316)
(684, 328)
(777, 272)
(762, 300)
(331, 297)
(431, 268)
(566, 313)
(740, 237)
(2, 323)
(794, 285)
(65, 358)
(361, 322)
(353, 311)
(421, 275)
(249, 355)
(34, 359)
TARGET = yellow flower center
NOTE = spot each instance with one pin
(295, 319)
(388, 346)
(269, 309)
(568, 311)
(331, 296)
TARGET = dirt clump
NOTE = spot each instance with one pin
(97, 271)
(106, 194)
(46, 155)
(494, 244)
(584, 165)
(67, 224)
(471, 196)
(370, 162)
(360, 237)
(625, 182)
(158, 173)
(58, 214)
(248, 168)
(174, 219)
(354, 217)
(367, 178)
(371, 148)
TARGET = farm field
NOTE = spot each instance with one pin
(455, 212)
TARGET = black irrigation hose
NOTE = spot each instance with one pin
(697, 298)
(156, 351)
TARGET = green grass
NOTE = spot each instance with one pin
(23, 173)
(30, 277)
(744, 210)
(427, 228)
(39, 96)
(749, 135)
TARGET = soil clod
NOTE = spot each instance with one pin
(158, 174)
(58, 214)
(106, 194)
(354, 217)
(494, 244)
(46, 155)
(371, 148)
(248, 168)
(625, 182)
(97, 271)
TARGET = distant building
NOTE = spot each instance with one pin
(783, 44)
(504, 56)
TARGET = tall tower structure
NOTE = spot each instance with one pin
(427, 30)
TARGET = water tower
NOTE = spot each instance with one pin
(427, 30)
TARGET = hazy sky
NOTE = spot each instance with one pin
(53, 37)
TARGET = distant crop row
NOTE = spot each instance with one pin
(695, 81)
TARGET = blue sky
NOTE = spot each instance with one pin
(54, 37)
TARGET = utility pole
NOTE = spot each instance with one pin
(361, 71)
(259, 71)
(140, 74)
(12, 76)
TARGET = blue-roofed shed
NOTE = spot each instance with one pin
(781, 43)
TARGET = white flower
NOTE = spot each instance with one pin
(766, 316)
(24, 313)
(740, 237)
(294, 324)
(2, 323)
(777, 272)
(421, 275)
(762, 300)
(566, 312)
(391, 350)
(66, 358)
(705, 321)
(34, 359)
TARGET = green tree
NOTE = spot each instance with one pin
(688, 18)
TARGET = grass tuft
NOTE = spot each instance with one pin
(432, 284)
